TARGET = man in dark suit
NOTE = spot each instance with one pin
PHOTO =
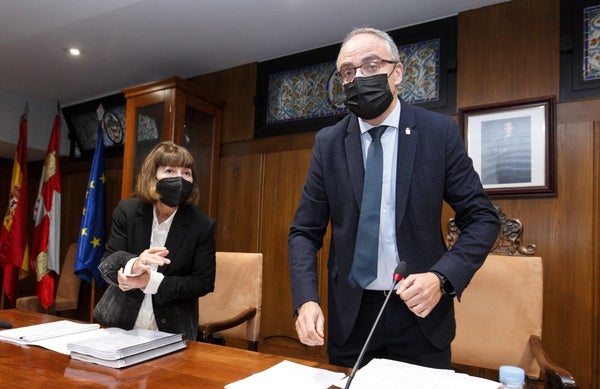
(424, 164)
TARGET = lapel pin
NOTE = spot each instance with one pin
(407, 131)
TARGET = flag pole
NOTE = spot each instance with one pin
(100, 113)
(92, 299)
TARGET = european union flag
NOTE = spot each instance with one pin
(92, 233)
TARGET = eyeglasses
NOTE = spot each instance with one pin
(368, 68)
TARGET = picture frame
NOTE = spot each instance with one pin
(512, 146)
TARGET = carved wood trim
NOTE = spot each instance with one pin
(509, 241)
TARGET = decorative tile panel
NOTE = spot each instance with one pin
(304, 93)
(421, 61)
(315, 91)
(591, 43)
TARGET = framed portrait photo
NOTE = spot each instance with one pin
(512, 146)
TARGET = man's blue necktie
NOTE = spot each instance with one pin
(364, 266)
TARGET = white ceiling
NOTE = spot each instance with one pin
(128, 42)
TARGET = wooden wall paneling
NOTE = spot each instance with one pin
(237, 86)
(595, 343)
(578, 111)
(240, 200)
(297, 141)
(508, 51)
(563, 228)
(570, 319)
(285, 173)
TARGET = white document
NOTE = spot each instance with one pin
(53, 336)
(59, 344)
(289, 375)
(388, 374)
(28, 334)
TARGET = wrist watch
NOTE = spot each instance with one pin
(445, 285)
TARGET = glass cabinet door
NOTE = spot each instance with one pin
(149, 121)
(198, 138)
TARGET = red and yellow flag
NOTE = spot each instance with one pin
(13, 233)
(45, 251)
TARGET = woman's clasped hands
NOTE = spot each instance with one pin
(140, 271)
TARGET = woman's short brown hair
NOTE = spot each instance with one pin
(165, 153)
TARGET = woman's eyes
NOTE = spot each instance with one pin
(174, 171)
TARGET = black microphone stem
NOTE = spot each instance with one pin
(364, 349)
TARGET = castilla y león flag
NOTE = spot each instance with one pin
(46, 236)
(13, 233)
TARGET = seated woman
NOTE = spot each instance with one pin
(160, 256)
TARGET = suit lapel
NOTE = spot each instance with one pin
(407, 146)
(356, 166)
(143, 228)
(177, 233)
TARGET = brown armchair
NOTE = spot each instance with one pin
(499, 317)
(67, 289)
(233, 310)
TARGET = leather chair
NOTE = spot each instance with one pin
(67, 289)
(499, 317)
(233, 310)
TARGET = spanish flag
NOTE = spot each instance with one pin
(14, 255)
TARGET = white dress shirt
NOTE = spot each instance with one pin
(145, 318)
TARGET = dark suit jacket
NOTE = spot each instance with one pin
(190, 274)
(432, 166)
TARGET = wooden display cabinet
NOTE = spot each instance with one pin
(174, 109)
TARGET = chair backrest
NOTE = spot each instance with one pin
(498, 311)
(503, 304)
(238, 285)
(67, 289)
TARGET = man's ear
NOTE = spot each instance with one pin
(398, 72)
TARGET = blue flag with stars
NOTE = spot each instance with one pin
(92, 233)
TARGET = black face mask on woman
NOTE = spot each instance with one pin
(368, 97)
(173, 191)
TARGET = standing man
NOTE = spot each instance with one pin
(422, 162)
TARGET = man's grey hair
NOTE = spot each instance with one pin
(392, 48)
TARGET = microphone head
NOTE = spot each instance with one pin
(5, 324)
(400, 271)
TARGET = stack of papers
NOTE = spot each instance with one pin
(115, 347)
(378, 373)
(389, 374)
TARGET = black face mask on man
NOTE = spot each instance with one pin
(368, 97)
(173, 191)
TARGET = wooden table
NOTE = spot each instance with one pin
(200, 365)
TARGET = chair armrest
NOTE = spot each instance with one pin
(554, 375)
(206, 331)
